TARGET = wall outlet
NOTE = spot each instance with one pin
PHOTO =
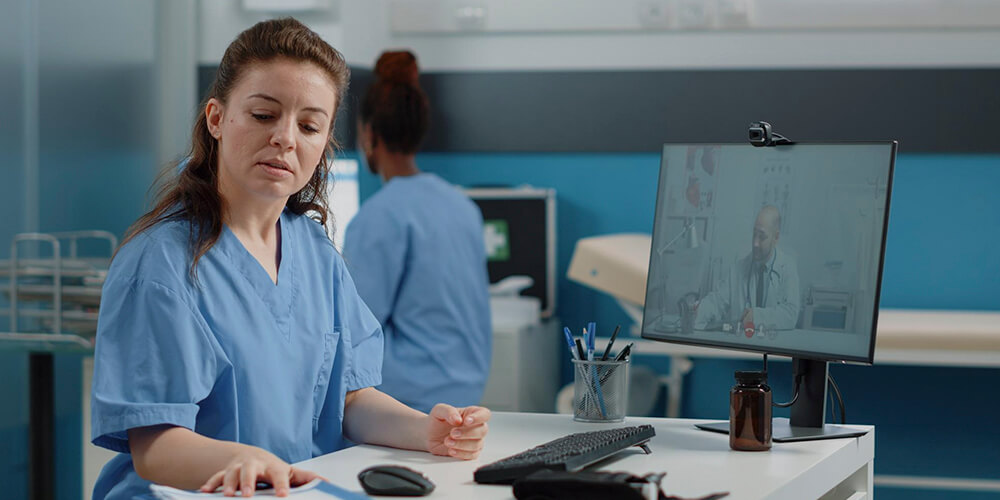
(470, 17)
(734, 13)
(694, 14)
(653, 14)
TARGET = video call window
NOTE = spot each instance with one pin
(774, 249)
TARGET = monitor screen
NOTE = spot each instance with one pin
(770, 249)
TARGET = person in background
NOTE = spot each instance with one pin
(231, 341)
(417, 253)
(760, 289)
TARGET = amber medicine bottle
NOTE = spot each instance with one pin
(750, 412)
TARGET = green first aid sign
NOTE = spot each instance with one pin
(497, 239)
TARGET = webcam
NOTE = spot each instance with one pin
(760, 135)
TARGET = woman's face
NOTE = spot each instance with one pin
(272, 130)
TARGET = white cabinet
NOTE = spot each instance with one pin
(524, 374)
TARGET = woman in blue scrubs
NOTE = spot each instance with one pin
(417, 254)
(231, 340)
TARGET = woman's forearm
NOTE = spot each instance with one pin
(179, 457)
(374, 417)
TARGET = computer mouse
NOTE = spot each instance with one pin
(394, 480)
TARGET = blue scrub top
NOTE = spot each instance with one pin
(234, 356)
(417, 253)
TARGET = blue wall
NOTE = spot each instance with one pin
(944, 232)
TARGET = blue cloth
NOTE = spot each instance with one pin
(233, 357)
(416, 251)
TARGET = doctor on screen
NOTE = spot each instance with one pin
(761, 288)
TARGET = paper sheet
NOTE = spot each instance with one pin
(317, 489)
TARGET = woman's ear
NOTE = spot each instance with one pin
(213, 117)
(368, 138)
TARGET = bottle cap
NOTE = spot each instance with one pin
(750, 378)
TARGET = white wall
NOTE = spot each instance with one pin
(641, 34)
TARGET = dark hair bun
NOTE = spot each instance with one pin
(398, 67)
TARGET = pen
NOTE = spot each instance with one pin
(569, 342)
(599, 391)
(610, 343)
(581, 355)
(591, 335)
(625, 352)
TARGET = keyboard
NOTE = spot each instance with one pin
(568, 453)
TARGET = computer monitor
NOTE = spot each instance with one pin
(776, 250)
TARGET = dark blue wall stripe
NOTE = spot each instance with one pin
(951, 110)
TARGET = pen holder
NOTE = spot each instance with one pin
(600, 390)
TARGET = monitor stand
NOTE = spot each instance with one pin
(808, 412)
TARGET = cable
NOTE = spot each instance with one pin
(798, 379)
(780, 140)
(795, 396)
(843, 409)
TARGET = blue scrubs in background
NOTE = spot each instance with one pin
(233, 357)
(417, 254)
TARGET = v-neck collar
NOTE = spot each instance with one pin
(280, 296)
(239, 250)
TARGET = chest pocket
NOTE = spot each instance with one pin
(321, 389)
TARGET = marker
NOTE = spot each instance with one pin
(569, 342)
(607, 349)
(579, 349)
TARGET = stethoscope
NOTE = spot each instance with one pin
(771, 272)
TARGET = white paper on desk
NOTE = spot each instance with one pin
(317, 489)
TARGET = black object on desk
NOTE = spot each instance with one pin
(568, 453)
(394, 480)
(554, 485)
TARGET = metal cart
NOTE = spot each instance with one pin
(53, 308)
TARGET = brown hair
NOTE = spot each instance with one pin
(395, 106)
(193, 194)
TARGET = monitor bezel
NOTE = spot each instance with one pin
(829, 357)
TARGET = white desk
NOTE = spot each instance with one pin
(696, 462)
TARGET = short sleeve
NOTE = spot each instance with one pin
(153, 362)
(376, 256)
(363, 333)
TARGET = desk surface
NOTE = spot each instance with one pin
(696, 462)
